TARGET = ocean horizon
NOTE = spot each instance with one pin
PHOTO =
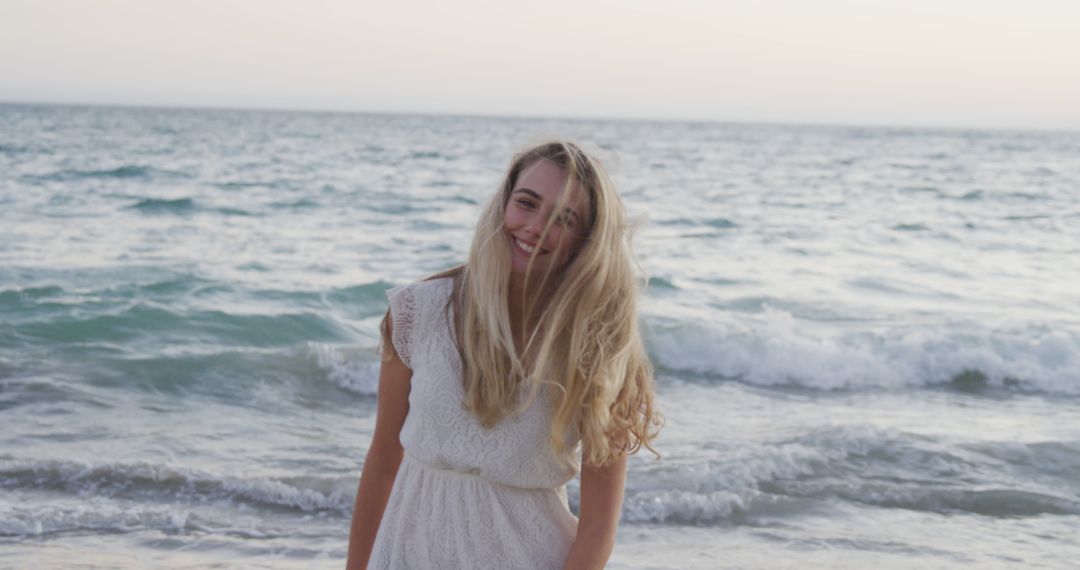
(572, 117)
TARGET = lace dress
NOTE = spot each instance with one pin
(466, 496)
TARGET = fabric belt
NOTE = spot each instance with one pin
(467, 475)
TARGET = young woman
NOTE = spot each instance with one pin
(495, 371)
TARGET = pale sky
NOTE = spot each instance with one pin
(978, 63)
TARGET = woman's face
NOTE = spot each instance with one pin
(532, 203)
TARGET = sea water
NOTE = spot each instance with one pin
(867, 340)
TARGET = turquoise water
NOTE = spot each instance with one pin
(867, 339)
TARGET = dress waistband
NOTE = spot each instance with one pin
(467, 475)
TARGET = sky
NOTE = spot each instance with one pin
(952, 63)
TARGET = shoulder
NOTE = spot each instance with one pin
(424, 286)
(412, 309)
(422, 293)
(436, 283)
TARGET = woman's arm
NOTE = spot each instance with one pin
(382, 461)
(601, 505)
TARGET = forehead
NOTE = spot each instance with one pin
(548, 179)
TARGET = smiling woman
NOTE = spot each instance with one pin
(495, 374)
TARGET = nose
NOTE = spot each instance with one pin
(535, 226)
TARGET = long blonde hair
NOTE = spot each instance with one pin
(584, 340)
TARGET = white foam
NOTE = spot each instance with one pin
(847, 463)
(304, 493)
(775, 349)
(682, 506)
(308, 494)
(88, 514)
(354, 369)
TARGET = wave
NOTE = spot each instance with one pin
(182, 206)
(246, 184)
(973, 195)
(296, 204)
(979, 195)
(15, 149)
(861, 465)
(1053, 458)
(167, 285)
(147, 483)
(719, 223)
(334, 331)
(661, 283)
(123, 172)
(176, 337)
(156, 323)
(20, 296)
(42, 520)
(772, 352)
(126, 171)
(244, 513)
(154, 205)
(185, 309)
(42, 517)
(309, 372)
(764, 347)
(990, 502)
(350, 368)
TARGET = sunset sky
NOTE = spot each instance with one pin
(985, 63)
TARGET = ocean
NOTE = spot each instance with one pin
(867, 340)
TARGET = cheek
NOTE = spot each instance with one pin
(508, 218)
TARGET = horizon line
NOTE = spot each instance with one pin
(557, 117)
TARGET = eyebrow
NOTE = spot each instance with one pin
(541, 199)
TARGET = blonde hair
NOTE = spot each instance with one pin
(584, 339)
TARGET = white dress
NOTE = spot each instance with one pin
(466, 496)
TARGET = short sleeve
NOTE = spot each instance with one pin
(402, 315)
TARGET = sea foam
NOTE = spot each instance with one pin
(773, 350)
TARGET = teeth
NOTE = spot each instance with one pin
(524, 246)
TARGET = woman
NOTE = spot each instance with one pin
(492, 374)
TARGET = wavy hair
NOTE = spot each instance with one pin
(583, 338)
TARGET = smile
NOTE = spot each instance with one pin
(529, 249)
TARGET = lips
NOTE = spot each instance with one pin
(525, 247)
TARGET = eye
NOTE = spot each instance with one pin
(565, 220)
(525, 203)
